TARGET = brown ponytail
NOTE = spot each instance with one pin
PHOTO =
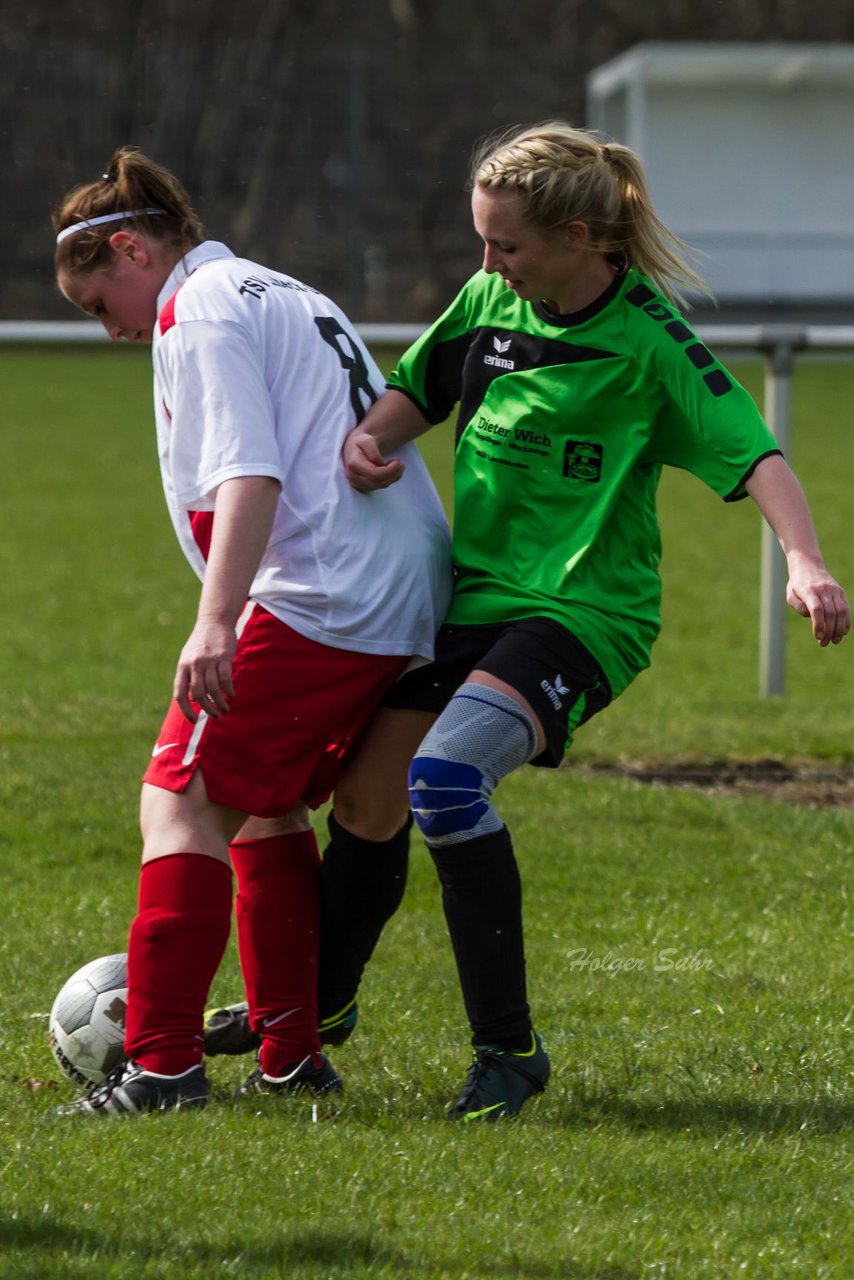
(132, 184)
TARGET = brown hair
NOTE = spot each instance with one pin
(132, 184)
(565, 174)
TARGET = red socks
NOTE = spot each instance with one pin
(179, 935)
(278, 934)
(176, 943)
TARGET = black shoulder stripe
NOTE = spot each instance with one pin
(494, 353)
(461, 369)
(700, 356)
(640, 295)
(717, 380)
(678, 330)
(510, 351)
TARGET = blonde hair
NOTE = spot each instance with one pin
(131, 183)
(564, 174)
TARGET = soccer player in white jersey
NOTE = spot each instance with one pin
(313, 602)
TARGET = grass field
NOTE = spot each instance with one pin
(689, 951)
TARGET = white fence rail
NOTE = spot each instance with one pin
(778, 344)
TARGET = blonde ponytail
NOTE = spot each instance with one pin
(564, 174)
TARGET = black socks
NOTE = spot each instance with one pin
(361, 887)
(482, 897)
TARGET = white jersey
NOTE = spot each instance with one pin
(256, 374)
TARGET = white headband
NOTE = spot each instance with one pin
(105, 217)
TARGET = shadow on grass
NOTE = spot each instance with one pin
(42, 1247)
(712, 1115)
(569, 1107)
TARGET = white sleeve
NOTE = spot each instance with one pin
(222, 421)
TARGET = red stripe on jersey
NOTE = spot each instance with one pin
(201, 523)
(166, 319)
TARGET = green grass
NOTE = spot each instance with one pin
(689, 953)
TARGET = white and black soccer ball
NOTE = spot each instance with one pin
(87, 1021)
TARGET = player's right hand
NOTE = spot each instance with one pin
(814, 594)
(203, 679)
(365, 467)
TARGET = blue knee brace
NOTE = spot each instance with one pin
(481, 736)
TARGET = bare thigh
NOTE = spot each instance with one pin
(372, 795)
(262, 828)
(185, 822)
(493, 682)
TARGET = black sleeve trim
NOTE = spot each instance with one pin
(739, 492)
(392, 386)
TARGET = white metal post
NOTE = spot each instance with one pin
(774, 574)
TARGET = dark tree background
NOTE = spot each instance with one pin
(329, 138)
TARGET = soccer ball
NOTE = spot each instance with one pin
(87, 1021)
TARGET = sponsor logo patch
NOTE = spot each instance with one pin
(583, 460)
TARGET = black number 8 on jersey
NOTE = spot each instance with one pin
(352, 360)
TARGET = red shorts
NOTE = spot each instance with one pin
(297, 710)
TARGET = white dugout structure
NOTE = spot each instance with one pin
(747, 148)
(778, 344)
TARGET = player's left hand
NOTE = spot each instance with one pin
(814, 594)
(365, 465)
(204, 673)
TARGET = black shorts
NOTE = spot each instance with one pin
(541, 659)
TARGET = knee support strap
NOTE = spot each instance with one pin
(481, 736)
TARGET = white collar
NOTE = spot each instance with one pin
(207, 251)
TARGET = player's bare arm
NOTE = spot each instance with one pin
(812, 591)
(244, 517)
(394, 420)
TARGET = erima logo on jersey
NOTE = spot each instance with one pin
(554, 692)
(499, 361)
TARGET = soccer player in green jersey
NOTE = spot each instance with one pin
(576, 380)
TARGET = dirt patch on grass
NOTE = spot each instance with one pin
(821, 786)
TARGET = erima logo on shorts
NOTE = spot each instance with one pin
(583, 460)
(499, 361)
(554, 692)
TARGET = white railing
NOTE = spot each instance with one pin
(778, 344)
(92, 331)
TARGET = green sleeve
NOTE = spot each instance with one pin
(430, 372)
(706, 422)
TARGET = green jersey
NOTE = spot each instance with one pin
(564, 425)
